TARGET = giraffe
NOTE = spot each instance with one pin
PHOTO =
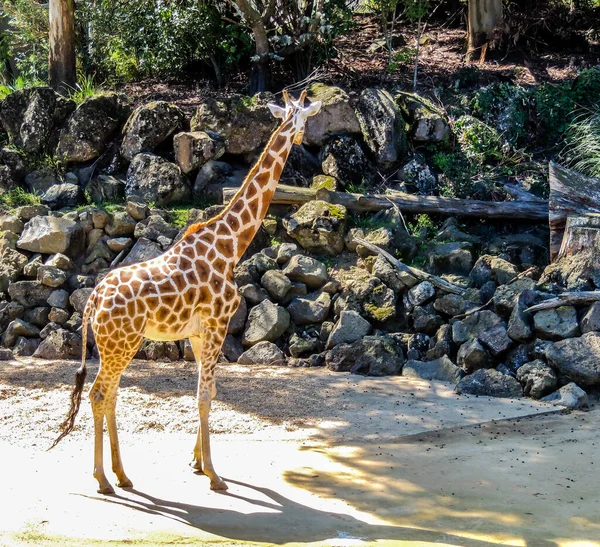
(187, 292)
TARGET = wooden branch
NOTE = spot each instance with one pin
(567, 299)
(518, 193)
(409, 203)
(419, 274)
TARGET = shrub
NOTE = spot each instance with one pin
(479, 142)
(582, 150)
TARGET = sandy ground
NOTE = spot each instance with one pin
(311, 458)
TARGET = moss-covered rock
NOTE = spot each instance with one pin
(426, 122)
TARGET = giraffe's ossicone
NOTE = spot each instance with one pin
(187, 292)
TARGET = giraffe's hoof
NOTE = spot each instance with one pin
(196, 465)
(108, 489)
(218, 485)
(125, 484)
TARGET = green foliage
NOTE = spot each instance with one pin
(18, 197)
(179, 215)
(112, 207)
(84, 89)
(20, 82)
(423, 225)
(554, 107)
(367, 222)
(480, 142)
(404, 56)
(582, 150)
(27, 36)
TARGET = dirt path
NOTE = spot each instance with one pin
(311, 457)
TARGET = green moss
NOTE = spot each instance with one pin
(179, 215)
(326, 93)
(378, 313)
(324, 181)
(337, 211)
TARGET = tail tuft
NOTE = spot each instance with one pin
(67, 426)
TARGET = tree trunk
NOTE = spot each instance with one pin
(571, 194)
(61, 61)
(259, 78)
(485, 19)
(522, 210)
(582, 233)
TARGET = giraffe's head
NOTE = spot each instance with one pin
(296, 112)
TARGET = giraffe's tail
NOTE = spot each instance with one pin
(69, 422)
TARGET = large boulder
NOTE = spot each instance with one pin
(427, 123)
(193, 149)
(310, 308)
(537, 378)
(29, 293)
(318, 226)
(490, 382)
(49, 235)
(350, 327)
(266, 322)
(263, 353)
(577, 358)
(557, 323)
(371, 356)
(32, 117)
(154, 179)
(143, 250)
(148, 126)
(570, 396)
(336, 117)
(382, 126)
(442, 369)
(106, 188)
(455, 257)
(244, 123)
(62, 195)
(90, 128)
(60, 344)
(343, 159)
(307, 270)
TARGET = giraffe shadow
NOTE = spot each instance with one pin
(277, 519)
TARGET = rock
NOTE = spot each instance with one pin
(337, 116)
(48, 235)
(59, 344)
(120, 224)
(195, 148)
(6, 354)
(311, 308)
(253, 294)
(58, 299)
(90, 128)
(302, 346)
(391, 276)
(27, 212)
(495, 339)
(442, 369)
(425, 320)
(37, 316)
(382, 126)
(427, 123)
(472, 356)
(285, 252)
(492, 268)
(51, 276)
(10, 223)
(136, 210)
(473, 325)
(417, 176)
(577, 358)
(32, 116)
(142, 251)
(58, 315)
(381, 237)
(591, 319)
(154, 179)
(29, 293)
(307, 270)
(106, 188)
(570, 396)
(370, 356)
(350, 327)
(25, 347)
(263, 353)
(153, 227)
(343, 159)
(537, 378)
(451, 305)
(244, 123)
(16, 328)
(520, 324)
(491, 383)
(79, 298)
(421, 293)
(148, 126)
(507, 296)
(319, 227)
(266, 322)
(453, 257)
(577, 272)
(12, 264)
(60, 261)
(213, 173)
(8, 240)
(276, 283)
(232, 348)
(158, 351)
(238, 320)
(440, 344)
(118, 244)
(557, 323)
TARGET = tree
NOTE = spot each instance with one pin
(61, 60)
(485, 19)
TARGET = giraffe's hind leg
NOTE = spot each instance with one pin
(206, 350)
(103, 396)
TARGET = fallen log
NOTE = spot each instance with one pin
(409, 203)
(419, 274)
(567, 299)
(571, 194)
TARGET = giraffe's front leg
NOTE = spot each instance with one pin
(117, 463)
(97, 399)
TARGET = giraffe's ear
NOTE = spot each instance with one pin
(276, 110)
(313, 108)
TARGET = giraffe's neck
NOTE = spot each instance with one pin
(242, 218)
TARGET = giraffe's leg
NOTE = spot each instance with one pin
(97, 400)
(206, 350)
(117, 464)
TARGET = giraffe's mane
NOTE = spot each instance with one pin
(249, 177)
